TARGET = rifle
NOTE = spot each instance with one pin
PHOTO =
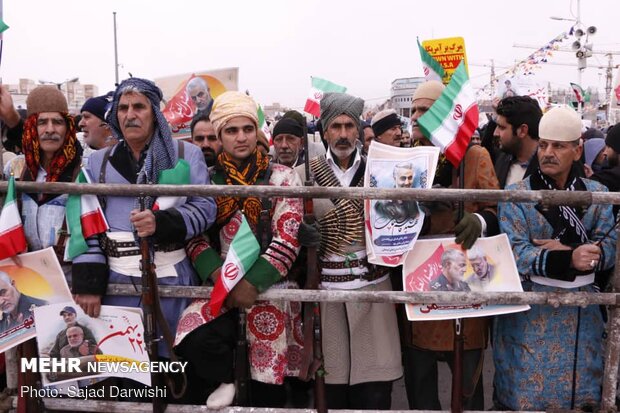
(150, 301)
(242, 371)
(312, 362)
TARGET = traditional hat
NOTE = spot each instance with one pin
(560, 124)
(336, 104)
(384, 120)
(46, 99)
(428, 90)
(229, 105)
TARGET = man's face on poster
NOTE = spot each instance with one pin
(9, 296)
(480, 266)
(455, 268)
(403, 177)
(75, 336)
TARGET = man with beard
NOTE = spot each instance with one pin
(198, 91)
(610, 176)
(398, 210)
(15, 306)
(517, 130)
(360, 340)
(203, 136)
(453, 266)
(552, 358)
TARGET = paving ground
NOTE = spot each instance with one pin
(399, 398)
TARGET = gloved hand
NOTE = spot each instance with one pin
(468, 230)
(309, 235)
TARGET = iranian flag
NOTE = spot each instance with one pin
(320, 87)
(179, 175)
(453, 118)
(242, 254)
(578, 92)
(432, 69)
(12, 237)
(84, 219)
(262, 123)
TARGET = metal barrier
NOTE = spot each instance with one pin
(546, 198)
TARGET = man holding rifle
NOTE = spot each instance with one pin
(145, 154)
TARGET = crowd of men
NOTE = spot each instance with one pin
(544, 358)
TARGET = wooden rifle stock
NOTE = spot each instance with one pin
(149, 302)
(241, 363)
(312, 363)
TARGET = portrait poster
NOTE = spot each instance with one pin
(189, 93)
(518, 85)
(392, 226)
(441, 265)
(116, 336)
(39, 281)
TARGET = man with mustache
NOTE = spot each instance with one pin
(145, 154)
(387, 127)
(552, 358)
(429, 342)
(360, 340)
(52, 153)
(203, 136)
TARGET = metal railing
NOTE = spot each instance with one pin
(556, 299)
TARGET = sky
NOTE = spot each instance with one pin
(279, 44)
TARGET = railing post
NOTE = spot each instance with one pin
(612, 347)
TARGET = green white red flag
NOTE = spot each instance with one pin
(319, 88)
(432, 69)
(262, 123)
(84, 219)
(579, 94)
(453, 118)
(242, 254)
(179, 175)
(12, 237)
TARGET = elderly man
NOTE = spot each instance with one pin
(203, 136)
(51, 154)
(453, 266)
(96, 131)
(398, 210)
(145, 154)
(483, 271)
(288, 141)
(517, 131)
(16, 307)
(360, 340)
(552, 358)
(429, 342)
(69, 316)
(387, 127)
(199, 92)
(273, 347)
(77, 345)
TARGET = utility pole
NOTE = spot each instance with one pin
(115, 51)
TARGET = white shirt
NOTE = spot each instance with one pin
(345, 177)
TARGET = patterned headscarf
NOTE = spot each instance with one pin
(160, 155)
(247, 174)
(336, 104)
(67, 155)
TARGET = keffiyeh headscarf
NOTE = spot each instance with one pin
(160, 155)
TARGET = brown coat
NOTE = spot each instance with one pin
(439, 335)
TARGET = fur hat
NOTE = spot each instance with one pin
(46, 99)
(229, 105)
(428, 90)
(560, 124)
